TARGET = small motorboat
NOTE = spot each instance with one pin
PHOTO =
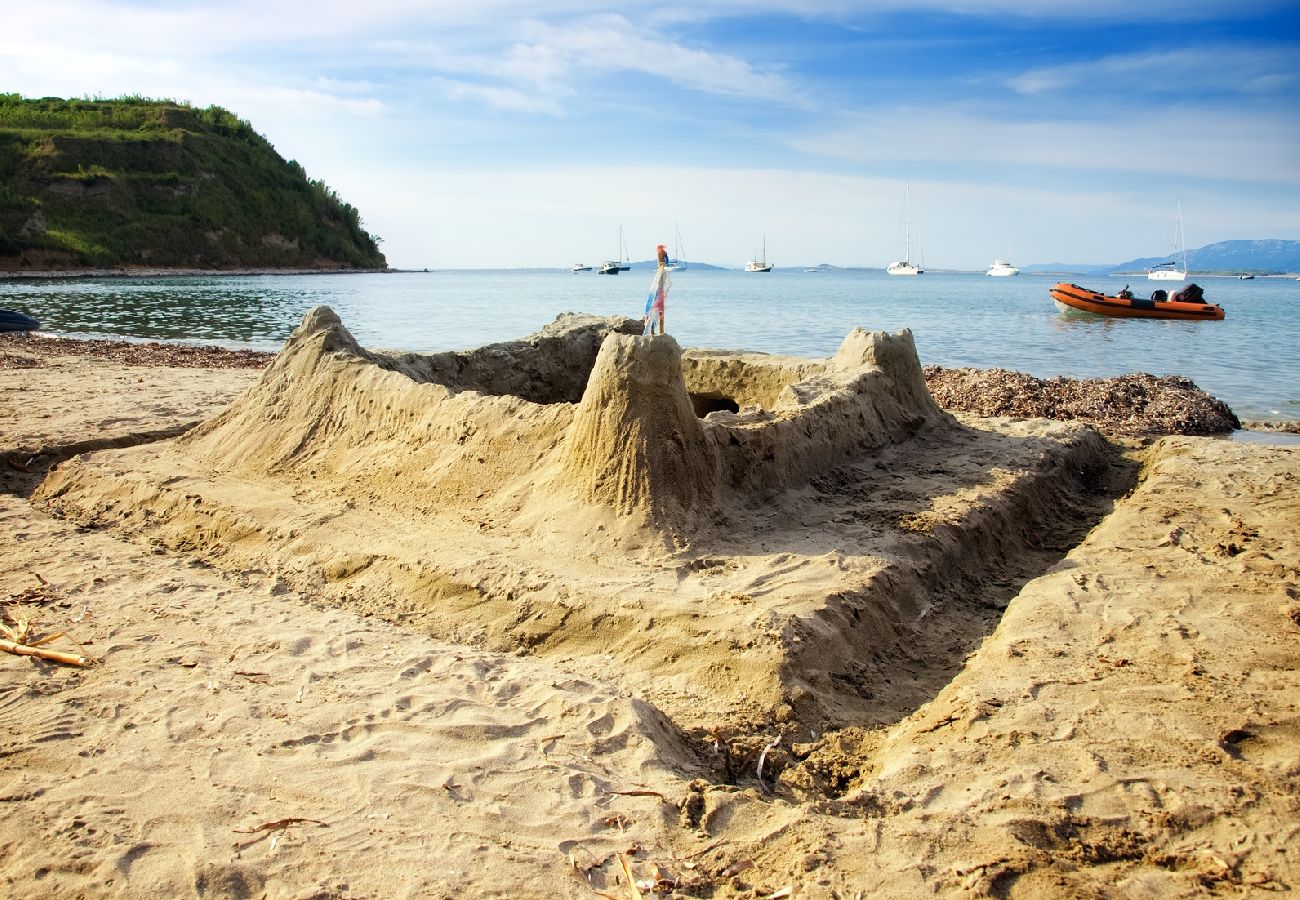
(16, 321)
(1187, 303)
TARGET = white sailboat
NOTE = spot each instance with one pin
(761, 264)
(678, 260)
(1170, 271)
(613, 266)
(905, 266)
(1001, 267)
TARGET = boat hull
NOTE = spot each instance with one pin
(11, 320)
(1071, 296)
(1166, 275)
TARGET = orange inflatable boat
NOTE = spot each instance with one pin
(1184, 304)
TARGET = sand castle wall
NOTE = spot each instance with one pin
(799, 417)
(601, 414)
(410, 431)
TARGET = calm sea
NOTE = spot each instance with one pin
(1251, 360)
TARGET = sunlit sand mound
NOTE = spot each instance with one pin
(737, 538)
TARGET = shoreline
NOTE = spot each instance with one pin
(164, 272)
(157, 272)
(1129, 405)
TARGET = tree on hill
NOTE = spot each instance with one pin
(139, 182)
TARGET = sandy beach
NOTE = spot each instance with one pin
(361, 631)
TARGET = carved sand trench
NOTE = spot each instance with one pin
(823, 555)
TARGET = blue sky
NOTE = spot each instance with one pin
(491, 133)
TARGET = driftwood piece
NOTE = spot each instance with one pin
(70, 659)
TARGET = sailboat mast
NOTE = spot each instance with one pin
(1182, 243)
(907, 223)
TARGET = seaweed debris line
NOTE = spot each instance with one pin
(735, 538)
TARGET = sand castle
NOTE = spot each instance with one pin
(813, 541)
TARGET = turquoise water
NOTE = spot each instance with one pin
(1249, 360)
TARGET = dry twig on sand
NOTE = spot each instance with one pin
(15, 638)
(20, 649)
(264, 830)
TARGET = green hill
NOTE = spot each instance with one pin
(135, 182)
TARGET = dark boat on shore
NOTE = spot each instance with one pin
(16, 321)
(1184, 304)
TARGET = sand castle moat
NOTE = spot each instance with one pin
(738, 539)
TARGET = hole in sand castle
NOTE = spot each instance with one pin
(703, 404)
(503, 371)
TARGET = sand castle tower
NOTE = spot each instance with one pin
(636, 445)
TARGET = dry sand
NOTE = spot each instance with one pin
(480, 688)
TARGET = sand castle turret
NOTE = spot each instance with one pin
(636, 445)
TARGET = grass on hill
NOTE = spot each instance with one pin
(139, 182)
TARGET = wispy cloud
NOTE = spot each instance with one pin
(613, 43)
(498, 97)
(1185, 71)
(1210, 144)
(543, 63)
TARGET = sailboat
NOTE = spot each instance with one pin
(1001, 266)
(677, 262)
(905, 266)
(761, 264)
(613, 266)
(1169, 271)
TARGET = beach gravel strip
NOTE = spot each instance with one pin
(1135, 405)
(21, 350)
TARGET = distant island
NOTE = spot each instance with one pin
(1262, 257)
(138, 183)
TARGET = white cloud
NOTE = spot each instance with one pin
(501, 98)
(544, 61)
(1183, 72)
(613, 43)
(1177, 142)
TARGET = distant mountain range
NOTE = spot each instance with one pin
(653, 264)
(1258, 257)
(1226, 257)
